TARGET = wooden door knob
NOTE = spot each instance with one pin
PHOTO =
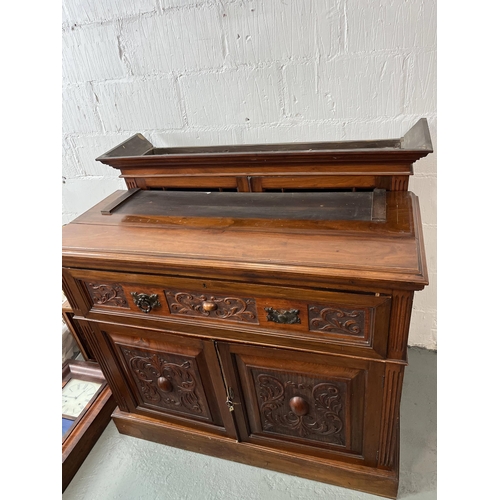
(299, 406)
(209, 306)
(164, 384)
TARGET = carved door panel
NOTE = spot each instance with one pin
(317, 404)
(172, 377)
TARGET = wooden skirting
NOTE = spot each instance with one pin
(375, 481)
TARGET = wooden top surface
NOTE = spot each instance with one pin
(316, 236)
(279, 207)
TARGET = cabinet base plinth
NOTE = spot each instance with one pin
(370, 480)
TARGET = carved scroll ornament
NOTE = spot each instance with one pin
(337, 320)
(107, 294)
(210, 306)
(167, 383)
(310, 409)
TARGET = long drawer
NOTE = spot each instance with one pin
(337, 318)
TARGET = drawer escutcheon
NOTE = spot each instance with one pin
(282, 316)
(145, 302)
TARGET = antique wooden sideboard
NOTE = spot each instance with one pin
(253, 302)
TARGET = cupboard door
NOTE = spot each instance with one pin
(316, 404)
(171, 377)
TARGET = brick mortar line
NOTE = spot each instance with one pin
(230, 65)
(156, 11)
(182, 73)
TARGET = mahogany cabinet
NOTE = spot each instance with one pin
(254, 302)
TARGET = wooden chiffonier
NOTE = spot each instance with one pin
(253, 302)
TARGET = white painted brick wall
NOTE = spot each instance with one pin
(91, 53)
(91, 11)
(359, 86)
(266, 32)
(188, 39)
(138, 104)
(204, 72)
(78, 111)
(233, 97)
(390, 24)
(421, 89)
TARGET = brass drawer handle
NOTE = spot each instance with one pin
(145, 302)
(282, 315)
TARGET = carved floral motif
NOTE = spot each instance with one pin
(167, 383)
(109, 295)
(231, 308)
(337, 320)
(321, 413)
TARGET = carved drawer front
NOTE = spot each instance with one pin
(341, 321)
(117, 293)
(152, 300)
(344, 322)
(167, 375)
(107, 294)
(210, 305)
(317, 404)
(335, 318)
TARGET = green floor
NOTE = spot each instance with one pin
(124, 468)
